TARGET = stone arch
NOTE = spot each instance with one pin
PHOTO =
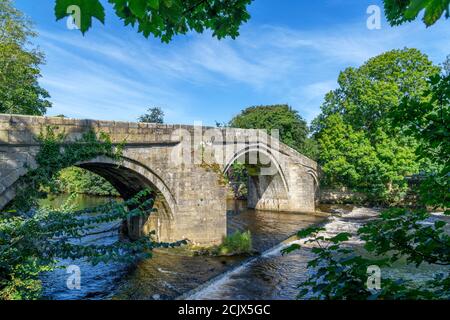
(313, 173)
(266, 191)
(264, 149)
(129, 177)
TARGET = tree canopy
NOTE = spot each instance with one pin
(426, 118)
(399, 234)
(292, 127)
(360, 148)
(165, 18)
(153, 115)
(20, 91)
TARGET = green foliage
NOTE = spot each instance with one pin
(402, 233)
(89, 9)
(338, 272)
(80, 181)
(166, 18)
(310, 148)
(292, 128)
(401, 11)
(446, 66)
(360, 147)
(237, 243)
(32, 243)
(55, 155)
(20, 92)
(153, 115)
(238, 179)
(427, 118)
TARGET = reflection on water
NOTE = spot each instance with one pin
(167, 276)
(97, 282)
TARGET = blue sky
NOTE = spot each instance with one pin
(291, 52)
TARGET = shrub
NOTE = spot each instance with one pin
(237, 243)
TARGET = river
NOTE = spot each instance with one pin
(169, 276)
(269, 275)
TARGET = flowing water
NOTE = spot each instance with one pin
(171, 275)
(268, 275)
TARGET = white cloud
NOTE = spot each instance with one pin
(110, 77)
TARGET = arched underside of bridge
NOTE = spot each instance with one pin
(281, 185)
(267, 190)
(129, 177)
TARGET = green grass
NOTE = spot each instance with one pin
(237, 243)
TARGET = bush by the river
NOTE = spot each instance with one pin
(237, 243)
(76, 180)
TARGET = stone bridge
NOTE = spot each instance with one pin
(185, 165)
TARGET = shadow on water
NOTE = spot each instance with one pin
(167, 276)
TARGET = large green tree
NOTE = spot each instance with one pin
(399, 234)
(360, 148)
(165, 18)
(427, 119)
(20, 91)
(153, 115)
(293, 129)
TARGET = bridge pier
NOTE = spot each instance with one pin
(270, 193)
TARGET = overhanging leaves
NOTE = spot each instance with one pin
(165, 18)
(88, 9)
(400, 11)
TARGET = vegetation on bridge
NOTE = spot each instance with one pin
(55, 155)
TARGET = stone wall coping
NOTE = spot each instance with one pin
(46, 120)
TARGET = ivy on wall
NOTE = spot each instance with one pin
(55, 155)
(33, 239)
